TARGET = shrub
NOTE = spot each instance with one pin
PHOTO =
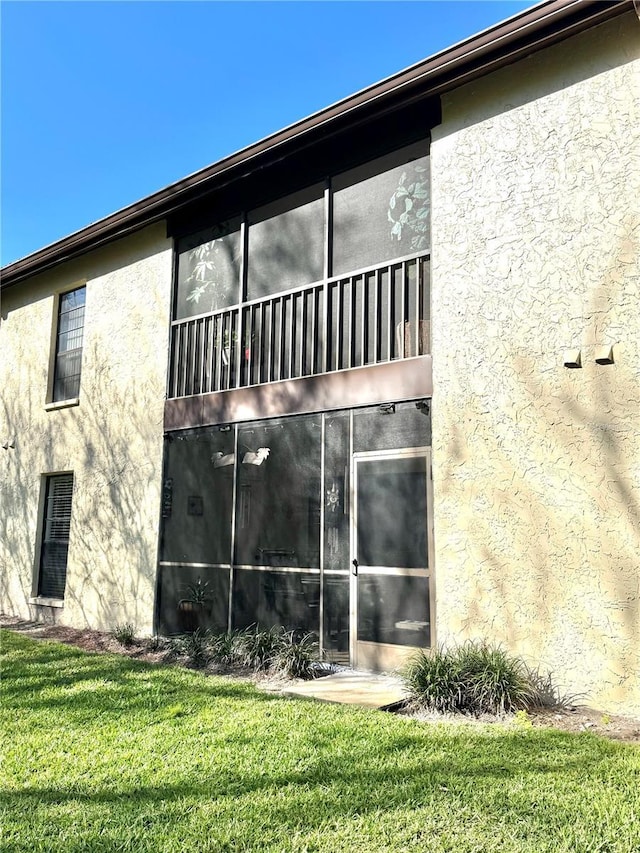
(223, 648)
(257, 649)
(497, 682)
(157, 643)
(295, 658)
(125, 634)
(275, 650)
(196, 646)
(547, 694)
(434, 681)
(474, 678)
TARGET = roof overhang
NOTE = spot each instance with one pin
(541, 26)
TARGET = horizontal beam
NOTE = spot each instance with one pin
(405, 379)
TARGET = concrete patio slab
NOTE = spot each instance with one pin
(366, 689)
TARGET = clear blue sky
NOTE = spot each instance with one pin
(105, 102)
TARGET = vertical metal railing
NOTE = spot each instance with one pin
(369, 316)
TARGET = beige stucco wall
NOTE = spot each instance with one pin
(112, 440)
(536, 236)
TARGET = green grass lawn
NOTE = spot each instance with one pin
(101, 752)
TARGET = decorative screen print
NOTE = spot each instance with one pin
(209, 270)
(336, 485)
(381, 210)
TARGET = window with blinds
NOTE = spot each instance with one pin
(66, 378)
(55, 535)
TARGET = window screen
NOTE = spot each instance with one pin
(286, 244)
(381, 210)
(66, 382)
(209, 270)
(55, 535)
(278, 497)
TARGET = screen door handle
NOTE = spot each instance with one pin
(354, 563)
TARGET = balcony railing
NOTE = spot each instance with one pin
(369, 316)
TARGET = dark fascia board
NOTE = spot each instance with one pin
(541, 26)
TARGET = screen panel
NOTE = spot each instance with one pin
(388, 428)
(381, 210)
(393, 609)
(177, 614)
(286, 244)
(392, 512)
(278, 501)
(336, 613)
(198, 488)
(268, 599)
(209, 265)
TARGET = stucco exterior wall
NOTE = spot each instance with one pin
(536, 246)
(112, 440)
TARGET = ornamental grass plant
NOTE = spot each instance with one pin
(274, 651)
(125, 634)
(296, 656)
(474, 678)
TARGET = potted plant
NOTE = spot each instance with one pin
(195, 606)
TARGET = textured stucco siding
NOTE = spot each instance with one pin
(112, 440)
(536, 246)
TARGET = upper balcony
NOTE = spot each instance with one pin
(370, 316)
(328, 279)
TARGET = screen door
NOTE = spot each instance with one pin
(391, 557)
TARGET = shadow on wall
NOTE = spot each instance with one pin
(114, 449)
(20, 496)
(555, 541)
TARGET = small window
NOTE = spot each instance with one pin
(66, 376)
(55, 535)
